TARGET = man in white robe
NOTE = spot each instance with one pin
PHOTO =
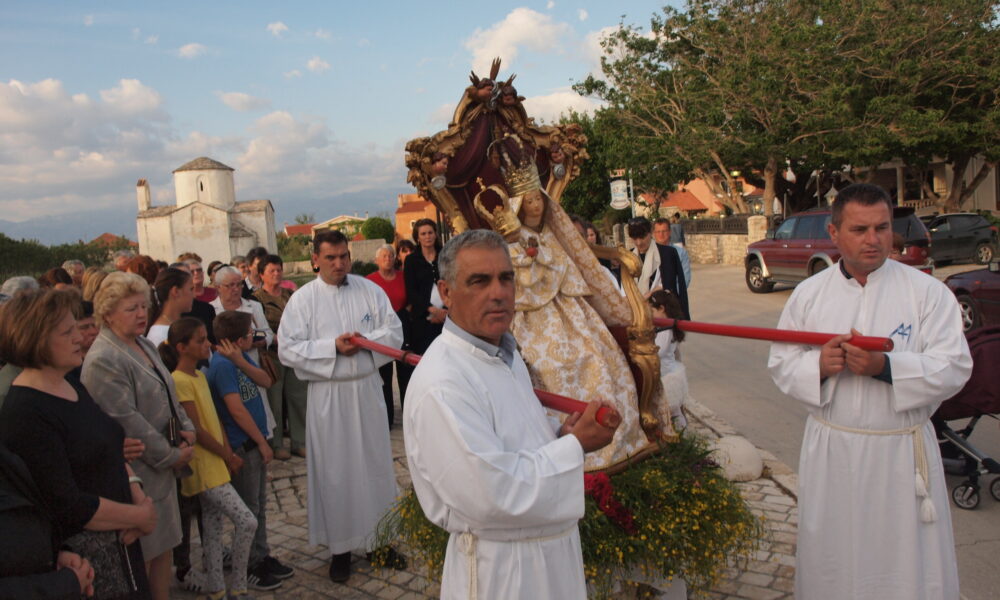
(487, 464)
(873, 501)
(351, 479)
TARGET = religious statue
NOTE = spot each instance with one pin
(495, 168)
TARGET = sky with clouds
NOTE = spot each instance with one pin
(310, 102)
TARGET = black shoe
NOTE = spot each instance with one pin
(275, 568)
(387, 557)
(259, 578)
(340, 567)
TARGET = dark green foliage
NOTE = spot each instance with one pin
(362, 268)
(378, 228)
(31, 257)
(293, 248)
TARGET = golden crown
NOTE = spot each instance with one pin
(520, 173)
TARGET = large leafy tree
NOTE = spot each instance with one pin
(832, 86)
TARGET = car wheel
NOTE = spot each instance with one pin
(984, 254)
(756, 281)
(970, 316)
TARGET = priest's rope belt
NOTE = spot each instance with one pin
(922, 484)
(468, 541)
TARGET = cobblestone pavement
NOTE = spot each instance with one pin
(769, 576)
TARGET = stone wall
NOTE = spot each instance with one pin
(714, 248)
(724, 248)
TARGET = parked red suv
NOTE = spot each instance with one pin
(801, 246)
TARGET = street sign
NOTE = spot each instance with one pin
(619, 194)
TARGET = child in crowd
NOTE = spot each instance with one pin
(233, 378)
(673, 374)
(186, 344)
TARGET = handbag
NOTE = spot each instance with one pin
(267, 364)
(113, 576)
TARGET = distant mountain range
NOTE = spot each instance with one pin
(87, 225)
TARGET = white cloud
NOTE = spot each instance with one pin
(152, 39)
(317, 65)
(442, 115)
(549, 107)
(277, 28)
(582, 14)
(300, 156)
(592, 50)
(293, 74)
(59, 151)
(132, 97)
(243, 102)
(63, 153)
(522, 27)
(88, 20)
(323, 34)
(550, 5)
(192, 50)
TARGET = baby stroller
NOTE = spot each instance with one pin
(980, 397)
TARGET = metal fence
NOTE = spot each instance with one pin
(732, 225)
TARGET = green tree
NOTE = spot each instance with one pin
(589, 193)
(378, 228)
(834, 86)
(305, 218)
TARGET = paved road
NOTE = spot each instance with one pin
(730, 376)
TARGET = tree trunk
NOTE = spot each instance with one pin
(950, 200)
(970, 189)
(770, 172)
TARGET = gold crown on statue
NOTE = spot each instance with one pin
(503, 219)
(520, 173)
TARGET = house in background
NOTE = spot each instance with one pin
(298, 229)
(205, 219)
(346, 224)
(410, 209)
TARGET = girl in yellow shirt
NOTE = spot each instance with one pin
(187, 344)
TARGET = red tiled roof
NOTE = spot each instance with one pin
(299, 229)
(106, 239)
(684, 200)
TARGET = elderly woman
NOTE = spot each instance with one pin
(124, 372)
(93, 277)
(71, 448)
(229, 282)
(287, 387)
(392, 282)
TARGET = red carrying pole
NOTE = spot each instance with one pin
(606, 416)
(812, 338)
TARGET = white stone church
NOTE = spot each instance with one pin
(206, 218)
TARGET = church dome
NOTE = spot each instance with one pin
(203, 163)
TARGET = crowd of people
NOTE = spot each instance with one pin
(137, 400)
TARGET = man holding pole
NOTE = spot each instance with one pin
(351, 479)
(487, 463)
(873, 503)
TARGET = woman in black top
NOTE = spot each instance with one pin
(421, 274)
(72, 449)
(29, 565)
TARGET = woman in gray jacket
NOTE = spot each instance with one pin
(127, 379)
